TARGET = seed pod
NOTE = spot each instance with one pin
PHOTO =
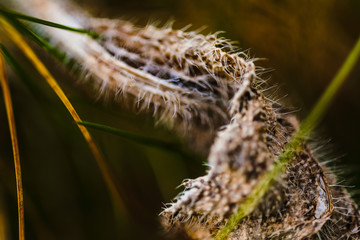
(302, 204)
(184, 79)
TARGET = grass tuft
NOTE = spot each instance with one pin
(105, 171)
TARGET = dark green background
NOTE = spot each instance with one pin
(303, 42)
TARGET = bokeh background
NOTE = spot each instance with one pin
(301, 43)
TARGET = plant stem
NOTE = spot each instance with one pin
(15, 147)
(47, 23)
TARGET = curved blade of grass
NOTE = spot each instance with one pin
(24, 75)
(3, 223)
(15, 147)
(105, 171)
(47, 23)
(323, 104)
(38, 40)
(41, 97)
(151, 142)
(257, 194)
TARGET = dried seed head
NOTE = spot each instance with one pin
(184, 79)
(300, 205)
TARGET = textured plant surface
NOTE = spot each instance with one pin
(263, 181)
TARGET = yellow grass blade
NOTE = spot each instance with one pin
(3, 224)
(105, 171)
(15, 147)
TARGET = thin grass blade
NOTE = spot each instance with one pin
(15, 147)
(24, 75)
(323, 104)
(47, 23)
(133, 137)
(3, 223)
(105, 171)
(20, 27)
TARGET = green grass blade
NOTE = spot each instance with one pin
(323, 104)
(23, 74)
(133, 137)
(29, 82)
(47, 23)
(50, 80)
(20, 27)
(255, 197)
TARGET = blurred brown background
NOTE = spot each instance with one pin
(303, 42)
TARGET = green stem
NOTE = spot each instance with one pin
(323, 104)
(47, 23)
(38, 40)
(133, 137)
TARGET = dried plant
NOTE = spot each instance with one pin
(263, 180)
